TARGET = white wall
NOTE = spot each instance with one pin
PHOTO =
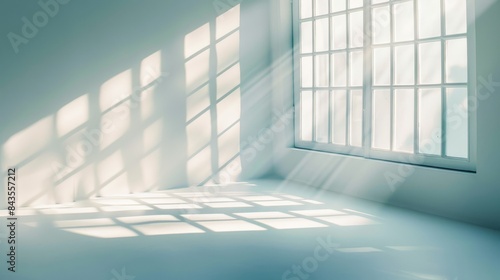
(470, 197)
(78, 118)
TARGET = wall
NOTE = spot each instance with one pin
(111, 97)
(470, 197)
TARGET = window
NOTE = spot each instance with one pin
(386, 79)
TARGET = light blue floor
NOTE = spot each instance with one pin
(259, 230)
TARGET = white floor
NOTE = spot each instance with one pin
(258, 230)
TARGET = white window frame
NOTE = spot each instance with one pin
(366, 151)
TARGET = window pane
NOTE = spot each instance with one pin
(305, 8)
(338, 5)
(339, 32)
(379, 1)
(339, 117)
(356, 29)
(322, 111)
(321, 75)
(356, 64)
(339, 66)
(306, 73)
(356, 118)
(456, 16)
(306, 37)
(381, 25)
(322, 35)
(321, 7)
(404, 120)
(355, 4)
(457, 123)
(403, 21)
(306, 115)
(382, 119)
(456, 61)
(429, 18)
(382, 66)
(429, 121)
(430, 63)
(404, 63)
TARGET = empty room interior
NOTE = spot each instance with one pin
(250, 139)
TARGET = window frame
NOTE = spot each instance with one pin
(366, 150)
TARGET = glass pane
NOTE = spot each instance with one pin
(307, 71)
(457, 123)
(456, 16)
(322, 35)
(339, 66)
(429, 121)
(429, 18)
(356, 118)
(456, 60)
(321, 7)
(382, 119)
(356, 64)
(355, 4)
(306, 115)
(430, 63)
(338, 5)
(356, 29)
(403, 21)
(404, 120)
(306, 38)
(379, 1)
(339, 32)
(381, 25)
(404, 64)
(382, 66)
(322, 111)
(305, 8)
(321, 71)
(339, 117)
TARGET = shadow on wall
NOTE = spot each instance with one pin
(171, 117)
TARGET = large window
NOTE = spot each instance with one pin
(386, 79)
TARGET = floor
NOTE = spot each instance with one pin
(264, 229)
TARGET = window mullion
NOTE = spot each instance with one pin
(416, 81)
(330, 82)
(367, 79)
(391, 77)
(348, 75)
(443, 81)
(296, 60)
(313, 57)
